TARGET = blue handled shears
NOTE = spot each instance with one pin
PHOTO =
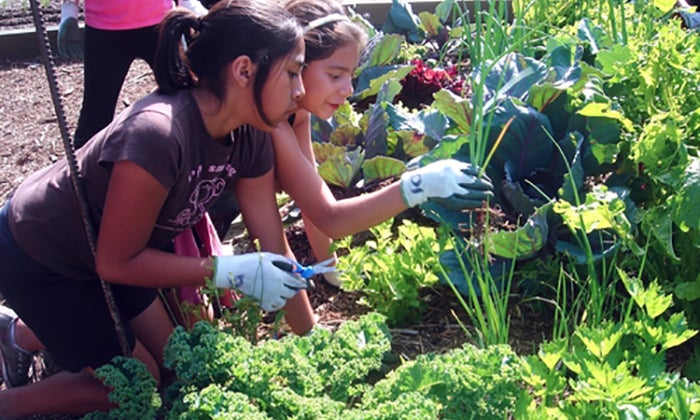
(307, 271)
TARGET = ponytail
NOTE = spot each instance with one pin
(261, 30)
(172, 67)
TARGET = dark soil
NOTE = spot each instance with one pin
(17, 14)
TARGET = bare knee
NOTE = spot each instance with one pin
(147, 358)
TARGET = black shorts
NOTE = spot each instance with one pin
(70, 317)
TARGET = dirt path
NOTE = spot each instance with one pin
(29, 135)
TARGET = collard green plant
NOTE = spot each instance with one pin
(549, 129)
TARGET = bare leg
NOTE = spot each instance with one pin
(300, 315)
(49, 396)
(64, 393)
(25, 338)
(153, 327)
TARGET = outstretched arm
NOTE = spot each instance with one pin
(319, 241)
(336, 218)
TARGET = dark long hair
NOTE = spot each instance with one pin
(194, 51)
(322, 41)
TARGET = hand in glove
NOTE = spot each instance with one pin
(194, 6)
(70, 43)
(452, 183)
(690, 20)
(255, 275)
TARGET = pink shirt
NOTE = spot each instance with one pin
(125, 14)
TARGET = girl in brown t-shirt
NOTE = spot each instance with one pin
(149, 175)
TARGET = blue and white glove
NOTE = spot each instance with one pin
(194, 6)
(256, 276)
(691, 20)
(69, 41)
(452, 183)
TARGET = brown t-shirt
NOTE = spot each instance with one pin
(163, 134)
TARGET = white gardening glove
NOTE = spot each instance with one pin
(257, 276)
(450, 182)
(69, 41)
(194, 6)
(333, 278)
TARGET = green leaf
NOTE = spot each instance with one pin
(599, 341)
(657, 224)
(602, 210)
(345, 136)
(339, 166)
(372, 79)
(444, 9)
(551, 352)
(401, 19)
(430, 24)
(454, 107)
(522, 243)
(595, 109)
(665, 5)
(388, 91)
(409, 145)
(573, 179)
(382, 167)
(689, 290)
(613, 58)
(526, 145)
(676, 331)
(686, 201)
(386, 51)
(512, 76)
(651, 299)
(345, 115)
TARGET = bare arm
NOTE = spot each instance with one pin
(319, 241)
(134, 199)
(256, 200)
(336, 218)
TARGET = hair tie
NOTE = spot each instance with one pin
(198, 23)
(333, 17)
(196, 28)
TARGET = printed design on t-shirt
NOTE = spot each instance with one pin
(202, 196)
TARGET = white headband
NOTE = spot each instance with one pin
(333, 17)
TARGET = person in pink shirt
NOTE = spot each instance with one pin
(116, 34)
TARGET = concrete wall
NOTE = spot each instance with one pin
(376, 10)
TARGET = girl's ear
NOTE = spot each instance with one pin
(243, 71)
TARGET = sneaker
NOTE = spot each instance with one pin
(15, 361)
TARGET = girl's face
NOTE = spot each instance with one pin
(284, 87)
(329, 81)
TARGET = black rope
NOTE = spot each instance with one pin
(76, 179)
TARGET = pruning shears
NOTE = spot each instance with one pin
(307, 271)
